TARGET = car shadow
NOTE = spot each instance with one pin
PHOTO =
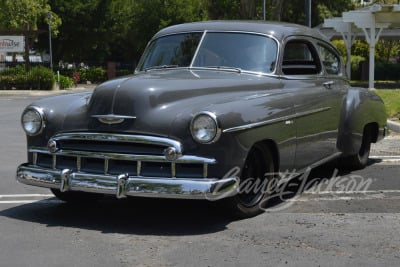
(129, 216)
(145, 216)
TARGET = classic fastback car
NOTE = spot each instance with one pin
(211, 106)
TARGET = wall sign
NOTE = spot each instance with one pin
(12, 44)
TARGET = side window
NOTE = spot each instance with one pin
(300, 58)
(330, 60)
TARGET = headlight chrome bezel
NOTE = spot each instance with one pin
(213, 123)
(40, 118)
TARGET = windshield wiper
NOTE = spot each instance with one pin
(161, 67)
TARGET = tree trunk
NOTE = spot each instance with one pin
(247, 9)
(276, 9)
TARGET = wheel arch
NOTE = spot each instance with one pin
(373, 129)
(273, 148)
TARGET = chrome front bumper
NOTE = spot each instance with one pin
(124, 185)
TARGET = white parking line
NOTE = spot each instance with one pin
(386, 159)
(26, 198)
(304, 197)
(26, 195)
(351, 195)
(29, 201)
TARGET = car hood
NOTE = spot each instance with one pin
(128, 96)
(148, 103)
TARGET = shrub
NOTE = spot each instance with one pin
(65, 82)
(123, 73)
(18, 70)
(83, 75)
(387, 71)
(7, 82)
(355, 67)
(40, 78)
(76, 77)
(96, 75)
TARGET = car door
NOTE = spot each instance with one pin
(316, 100)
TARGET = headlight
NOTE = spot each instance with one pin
(204, 128)
(32, 121)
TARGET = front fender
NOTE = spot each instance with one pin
(62, 113)
(244, 122)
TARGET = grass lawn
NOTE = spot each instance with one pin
(391, 97)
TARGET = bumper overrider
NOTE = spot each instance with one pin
(123, 185)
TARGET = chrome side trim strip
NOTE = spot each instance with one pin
(276, 120)
(310, 112)
(123, 185)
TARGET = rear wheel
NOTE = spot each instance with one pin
(360, 160)
(256, 173)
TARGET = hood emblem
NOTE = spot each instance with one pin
(112, 118)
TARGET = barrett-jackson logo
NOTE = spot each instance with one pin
(8, 43)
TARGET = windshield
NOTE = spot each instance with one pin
(244, 51)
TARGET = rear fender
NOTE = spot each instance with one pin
(360, 107)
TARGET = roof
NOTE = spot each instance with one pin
(279, 30)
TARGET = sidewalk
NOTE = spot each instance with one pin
(389, 146)
(79, 88)
(394, 126)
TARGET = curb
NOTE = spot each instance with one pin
(46, 93)
(393, 126)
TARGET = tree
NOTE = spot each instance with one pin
(22, 14)
(85, 26)
(276, 10)
(320, 9)
(247, 9)
(27, 15)
(223, 9)
(387, 49)
(119, 30)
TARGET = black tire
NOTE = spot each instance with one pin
(259, 164)
(74, 197)
(360, 160)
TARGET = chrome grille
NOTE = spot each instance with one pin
(111, 147)
(100, 153)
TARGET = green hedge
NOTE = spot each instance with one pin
(93, 75)
(387, 71)
(383, 71)
(65, 82)
(355, 67)
(17, 78)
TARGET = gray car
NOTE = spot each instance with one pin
(215, 110)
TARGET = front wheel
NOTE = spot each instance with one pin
(253, 187)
